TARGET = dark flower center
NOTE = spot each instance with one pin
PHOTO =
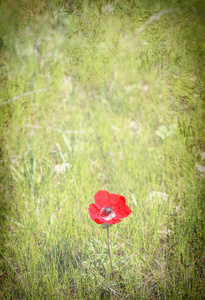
(107, 210)
(107, 213)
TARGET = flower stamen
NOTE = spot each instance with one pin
(107, 213)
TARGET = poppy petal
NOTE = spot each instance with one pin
(117, 201)
(112, 221)
(94, 214)
(93, 210)
(122, 211)
(97, 221)
(102, 199)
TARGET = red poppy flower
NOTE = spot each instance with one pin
(108, 208)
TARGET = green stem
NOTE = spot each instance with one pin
(109, 247)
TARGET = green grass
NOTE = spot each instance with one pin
(111, 107)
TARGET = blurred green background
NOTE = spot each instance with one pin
(102, 95)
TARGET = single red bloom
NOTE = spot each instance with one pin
(108, 208)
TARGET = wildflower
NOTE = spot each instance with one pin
(108, 208)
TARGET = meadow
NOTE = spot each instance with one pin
(102, 95)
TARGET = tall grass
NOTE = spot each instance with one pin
(102, 95)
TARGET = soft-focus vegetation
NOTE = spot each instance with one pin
(102, 95)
